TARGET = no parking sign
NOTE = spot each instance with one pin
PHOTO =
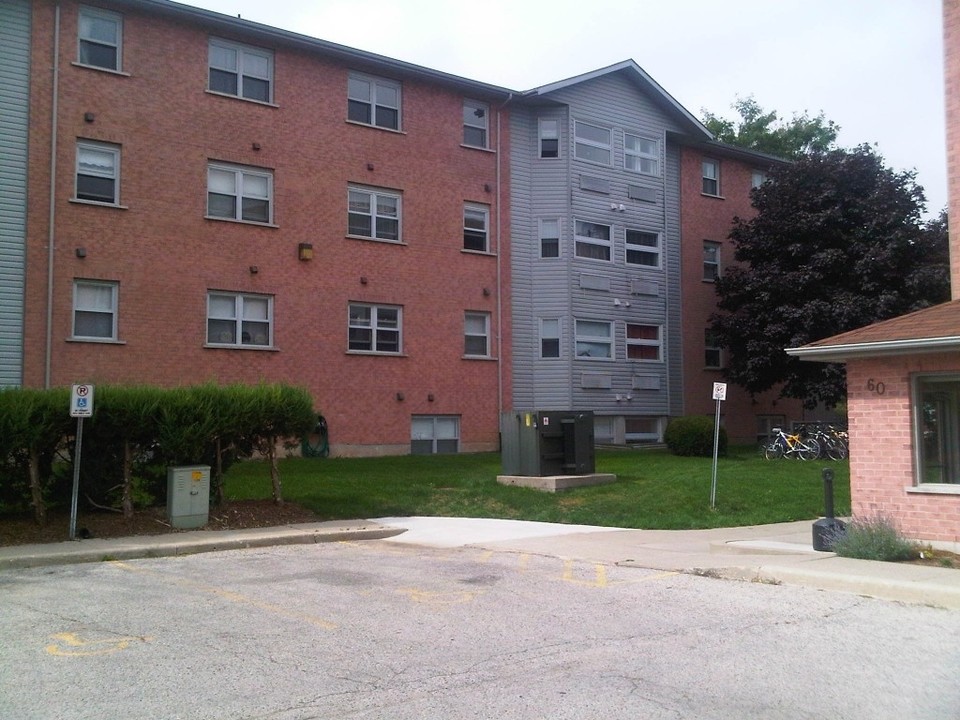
(81, 401)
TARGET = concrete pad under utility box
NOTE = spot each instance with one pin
(552, 483)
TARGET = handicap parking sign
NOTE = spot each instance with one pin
(81, 401)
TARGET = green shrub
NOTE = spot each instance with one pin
(693, 435)
(873, 538)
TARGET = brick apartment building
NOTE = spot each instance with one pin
(216, 200)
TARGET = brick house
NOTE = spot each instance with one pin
(903, 381)
(217, 200)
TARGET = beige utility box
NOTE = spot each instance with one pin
(188, 496)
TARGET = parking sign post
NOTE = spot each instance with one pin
(81, 406)
(719, 394)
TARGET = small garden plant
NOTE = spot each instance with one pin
(874, 538)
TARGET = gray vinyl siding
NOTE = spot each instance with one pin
(572, 288)
(14, 101)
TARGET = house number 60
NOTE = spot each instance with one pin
(876, 387)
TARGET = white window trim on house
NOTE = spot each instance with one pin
(246, 185)
(715, 264)
(244, 69)
(251, 316)
(438, 434)
(587, 340)
(585, 146)
(476, 228)
(641, 249)
(85, 291)
(548, 130)
(476, 121)
(87, 167)
(642, 343)
(382, 332)
(711, 350)
(639, 160)
(935, 435)
(551, 330)
(585, 241)
(476, 334)
(710, 180)
(549, 232)
(91, 15)
(757, 178)
(375, 213)
(375, 97)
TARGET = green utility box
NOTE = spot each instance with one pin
(547, 443)
(188, 496)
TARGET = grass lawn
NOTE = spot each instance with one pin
(654, 489)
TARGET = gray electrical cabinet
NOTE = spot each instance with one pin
(188, 496)
(546, 443)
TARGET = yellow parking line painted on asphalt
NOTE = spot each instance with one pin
(233, 597)
(430, 597)
(71, 645)
(600, 576)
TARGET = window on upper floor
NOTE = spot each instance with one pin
(641, 154)
(373, 101)
(98, 172)
(476, 228)
(239, 319)
(643, 248)
(550, 238)
(476, 334)
(375, 328)
(95, 310)
(711, 177)
(99, 38)
(757, 178)
(593, 339)
(240, 70)
(712, 352)
(236, 192)
(644, 342)
(475, 123)
(549, 138)
(373, 214)
(592, 240)
(711, 260)
(593, 143)
(549, 338)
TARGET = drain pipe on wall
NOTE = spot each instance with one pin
(500, 402)
(54, 110)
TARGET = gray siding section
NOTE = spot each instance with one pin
(14, 116)
(569, 288)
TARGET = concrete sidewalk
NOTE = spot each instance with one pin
(779, 553)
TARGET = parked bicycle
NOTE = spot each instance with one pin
(832, 442)
(793, 445)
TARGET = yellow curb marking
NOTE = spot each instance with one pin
(600, 580)
(429, 597)
(86, 648)
(234, 597)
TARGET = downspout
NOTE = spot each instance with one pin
(53, 186)
(500, 402)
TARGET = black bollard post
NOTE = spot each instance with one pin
(828, 529)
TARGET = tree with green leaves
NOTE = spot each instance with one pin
(766, 132)
(837, 243)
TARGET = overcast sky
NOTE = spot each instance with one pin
(874, 67)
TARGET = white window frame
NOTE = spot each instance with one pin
(376, 86)
(379, 329)
(631, 434)
(476, 226)
(374, 213)
(442, 432)
(715, 247)
(243, 334)
(710, 177)
(112, 310)
(92, 14)
(247, 57)
(942, 435)
(586, 339)
(245, 180)
(653, 252)
(757, 178)
(642, 343)
(545, 134)
(584, 146)
(476, 329)
(101, 172)
(551, 331)
(476, 119)
(547, 234)
(638, 159)
(584, 241)
(711, 350)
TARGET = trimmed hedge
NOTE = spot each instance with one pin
(693, 435)
(135, 433)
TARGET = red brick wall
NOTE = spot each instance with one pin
(709, 218)
(881, 450)
(166, 256)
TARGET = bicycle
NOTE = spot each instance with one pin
(794, 445)
(830, 440)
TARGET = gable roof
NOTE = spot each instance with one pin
(934, 329)
(647, 84)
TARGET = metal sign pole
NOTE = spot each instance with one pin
(716, 446)
(76, 480)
